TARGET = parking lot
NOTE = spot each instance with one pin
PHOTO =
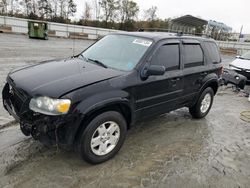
(172, 150)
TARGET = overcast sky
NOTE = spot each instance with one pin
(234, 13)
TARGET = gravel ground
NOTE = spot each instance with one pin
(172, 150)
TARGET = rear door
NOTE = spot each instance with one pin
(160, 94)
(194, 70)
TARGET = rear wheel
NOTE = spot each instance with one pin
(103, 137)
(203, 105)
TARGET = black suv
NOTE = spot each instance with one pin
(89, 101)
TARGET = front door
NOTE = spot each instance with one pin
(160, 94)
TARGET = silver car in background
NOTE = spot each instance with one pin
(242, 65)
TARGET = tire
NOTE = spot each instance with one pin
(92, 135)
(197, 111)
(224, 82)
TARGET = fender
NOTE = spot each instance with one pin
(210, 78)
(100, 100)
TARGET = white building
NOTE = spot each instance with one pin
(242, 38)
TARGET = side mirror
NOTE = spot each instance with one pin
(153, 70)
(238, 56)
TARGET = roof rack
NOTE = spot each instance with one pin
(157, 30)
(177, 33)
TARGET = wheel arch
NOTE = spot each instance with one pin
(213, 83)
(210, 82)
(120, 106)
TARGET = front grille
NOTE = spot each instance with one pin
(16, 101)
(18, 93)
(18, 98)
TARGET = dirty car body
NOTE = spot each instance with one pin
(55, 101)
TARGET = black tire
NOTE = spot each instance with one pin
(195, 111)
(224, 82)
(85, 140)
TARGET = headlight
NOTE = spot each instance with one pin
(48, 106)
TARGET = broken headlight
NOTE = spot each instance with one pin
(49, 106)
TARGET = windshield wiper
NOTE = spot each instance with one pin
(97, 62)
(85, 58)
(93, 60)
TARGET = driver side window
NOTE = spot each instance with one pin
(168, 55)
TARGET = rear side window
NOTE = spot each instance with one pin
(213, 52)
(169, 56)
(193, 55)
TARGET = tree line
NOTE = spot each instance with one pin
(114, 14)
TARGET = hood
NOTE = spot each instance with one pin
(241, 63)
(56, 78)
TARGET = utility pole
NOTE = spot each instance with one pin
(240, 33)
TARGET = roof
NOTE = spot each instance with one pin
(151, 35)
(156, 36)
(189, 20)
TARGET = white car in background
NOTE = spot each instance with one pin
(242, 65)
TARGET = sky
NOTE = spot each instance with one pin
(231, 12)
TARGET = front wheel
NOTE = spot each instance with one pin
(103, 137)
(203, 105)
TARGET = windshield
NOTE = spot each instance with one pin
(117, 51)
(246, 56)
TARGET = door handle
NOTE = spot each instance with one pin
(204, 73)
(175, 79)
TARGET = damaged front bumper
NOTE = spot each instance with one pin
(50, 130)
(7, 104)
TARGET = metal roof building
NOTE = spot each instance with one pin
(193, 25)
(188, 24)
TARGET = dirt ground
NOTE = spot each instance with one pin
(172, 150)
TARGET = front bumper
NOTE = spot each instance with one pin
(50, 130)
(13, 102)
(244, 72)
(9, 108)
